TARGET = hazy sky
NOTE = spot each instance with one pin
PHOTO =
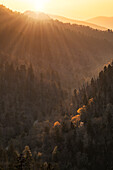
(78, 9)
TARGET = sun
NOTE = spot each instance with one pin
(40, 4)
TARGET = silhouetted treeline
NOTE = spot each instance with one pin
(41, 126)
(73, 50)
(81, 141)
(25, 99)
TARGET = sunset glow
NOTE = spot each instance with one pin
(56, 84)
(39, 4)
(78, 9)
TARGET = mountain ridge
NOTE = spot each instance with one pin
(63, 47)
(79, 22)
(37, 15)
(102, 21)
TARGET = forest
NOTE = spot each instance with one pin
(68, 142)
(68, 49)
(56, 102)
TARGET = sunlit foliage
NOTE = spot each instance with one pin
(57, 124)
(82, 109)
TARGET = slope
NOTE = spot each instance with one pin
(53, 45)
(102, 21)
(72, 21)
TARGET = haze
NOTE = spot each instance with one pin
(56, 85)
(79, 9)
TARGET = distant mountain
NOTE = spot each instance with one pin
(72, 21)
(42, 61)
(37, 15)
(43, 16)
(102, 21)
(67, 49)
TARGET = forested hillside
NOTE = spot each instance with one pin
(80, 139)
(25, 99)
(53, 116)
(40, 15)
(67, 49)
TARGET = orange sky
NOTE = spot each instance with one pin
(78, 9)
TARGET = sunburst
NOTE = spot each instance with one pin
(40, 4)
